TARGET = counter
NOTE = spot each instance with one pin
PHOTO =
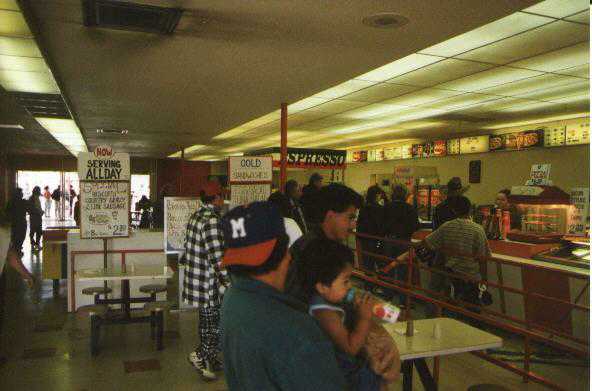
(139, 240)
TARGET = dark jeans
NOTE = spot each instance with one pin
(35, 232)
(17, 236)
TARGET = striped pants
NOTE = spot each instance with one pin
(209, 333)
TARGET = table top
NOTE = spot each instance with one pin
(139, 273)
(456, 337)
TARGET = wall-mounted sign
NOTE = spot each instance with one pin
(406, 151)
(577, 134)
(379, 154)
(439, 148)
(104, 209)
(580, 216)
(517, 141)
(539, 174)
(372, 155)
(475, 171)
(177, 211)
(475, 144)
(555, 136)
(308, 158)
(360, 156)
(250, 168)
(246, 193)
(392, 153)
(103, 165)
(453, 146)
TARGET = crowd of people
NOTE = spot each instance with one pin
(269, 280)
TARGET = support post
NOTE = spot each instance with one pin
(284, 147)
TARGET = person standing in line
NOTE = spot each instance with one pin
(205, 281)
(47, 204)
(72, 197)
(35, 219)
(17, 209)
(269, 341)
(280, 200)
(294, 193)
(309, 200)
(56, 196)
(371, 222)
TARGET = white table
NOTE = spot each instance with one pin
(138, 273)
(455, 337)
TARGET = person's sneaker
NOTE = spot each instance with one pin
(217, 365)
(202, 366)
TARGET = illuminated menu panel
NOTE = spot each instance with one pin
(555, 136)
(392, 153)
(360, 156)
(474, 144)
(453, 146)
(439, 148)
(349, 157)
(577, 134)
(406, 151)
(372, 155)
(379, 154)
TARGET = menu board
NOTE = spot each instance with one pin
(360, 156)
(517, 141)
(372, 155)
(439, 148)
(250, 168)
(577, 134)
(474, 144)
(379, 154)
(580, 215)
(247, 193)
(392, 153)
(453, 146)
(177, 211)
(349, 156)
(103, 165)
(555, 136)
(406, 151)
(421, 150)
(104, 209)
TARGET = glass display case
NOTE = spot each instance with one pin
(570, 253)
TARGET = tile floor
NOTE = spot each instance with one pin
(48, 349)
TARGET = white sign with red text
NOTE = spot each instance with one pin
(103, 164)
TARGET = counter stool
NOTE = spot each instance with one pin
(96, 291)
(157, 309)
(96, 313)
(153, 289)
(487, 387)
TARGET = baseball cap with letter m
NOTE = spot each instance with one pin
(250, 233)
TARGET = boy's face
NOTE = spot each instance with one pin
(336, 292)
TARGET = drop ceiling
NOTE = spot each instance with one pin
(218, 80)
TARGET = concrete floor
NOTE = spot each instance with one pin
(47, 349)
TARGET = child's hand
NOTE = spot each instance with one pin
(364, 305)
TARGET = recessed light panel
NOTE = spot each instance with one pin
(421, 97)
(490, 78)
(440, 72)
(558, 59)
(399, 67)
(558, 8)
(343, 89)
(25, 47)
(13, 24)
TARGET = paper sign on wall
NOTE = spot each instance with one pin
(580, 216)
(539, 174)
(103, 165)
(177, 211)
(104, 209)
(250, 168)
(247, 193)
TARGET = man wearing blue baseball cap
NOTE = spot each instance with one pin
(268, 339)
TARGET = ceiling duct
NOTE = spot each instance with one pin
(43, 105)
(130, 16)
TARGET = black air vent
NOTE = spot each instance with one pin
(43, 105)
(129, 16)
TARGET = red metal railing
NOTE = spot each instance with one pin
(531, 331)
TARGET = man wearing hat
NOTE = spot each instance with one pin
(205, 281)
(268, 339)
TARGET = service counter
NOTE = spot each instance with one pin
(518, 270)
(141, 248)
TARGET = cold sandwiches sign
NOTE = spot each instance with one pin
(103, 165)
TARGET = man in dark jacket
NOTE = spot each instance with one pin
(17, 209)
(309, 199)
(371, 221)
(294, 194)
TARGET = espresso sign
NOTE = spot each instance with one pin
(103, 165)
(104, 209)
(250, 168)
(177, 211)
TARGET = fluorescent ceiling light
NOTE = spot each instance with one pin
(569, 57)
(231, 133)
(343, 89)
(494, 31)
(372, 110)
(360, 127)
(558, 8)
(26, 64)
(65, 132)
(540, 120)
(440, 72)
(582, 17)
(23, 47)
(188, 150)
(11, 126)
(13, 24)
(490, 78)
(39, 82)
(399, 67)
(304, 104)
(422, 97)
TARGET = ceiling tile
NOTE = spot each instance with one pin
(306, 103)
(523, 108)
(399, 67)
(528, 85)
(343, 89)
(582, 17)
(459, 101)
(582, 97)
(494, 105)
(543, 39)
(372, 110)
(379, 92)
(421, 97)
(550, 94)
(26, 64)
(336, 106)
(12, 24)
(578, 71)
(489, 78)
(559, 59)
(494, 31)
(440, 72)
(9, 5)
(25, 47)
(558, 8)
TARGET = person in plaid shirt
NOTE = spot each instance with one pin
(205, 282)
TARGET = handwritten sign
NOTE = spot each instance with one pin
(250, 168)
(104, 209)
(580, 216)
(539, 174)
(577, 134)
(247, 193)
(177, 211)
(103, 165)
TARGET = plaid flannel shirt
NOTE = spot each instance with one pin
(205, 282)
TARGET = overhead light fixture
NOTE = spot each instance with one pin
(536, 121)
(66, 132)
(113, 131)
(16, 126)
(188, 150)
(399, 67)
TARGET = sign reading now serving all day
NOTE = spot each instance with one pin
(104, 210)
(177, 211)
(103, 165)
(250, 168)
